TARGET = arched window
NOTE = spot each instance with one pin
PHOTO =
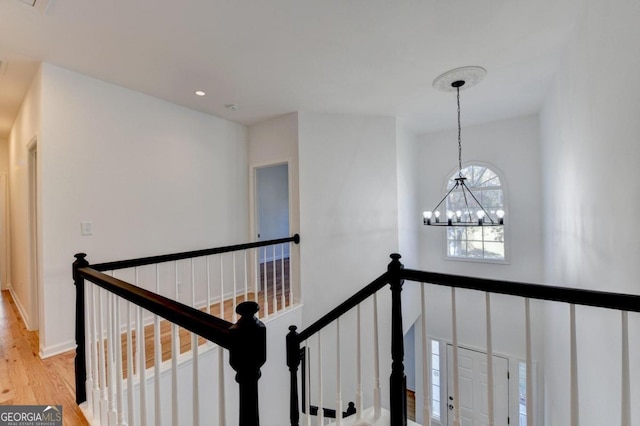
(477, 242)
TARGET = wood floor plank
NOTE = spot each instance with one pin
(25, 379)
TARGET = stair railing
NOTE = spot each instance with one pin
(395, 277)
(115, 320)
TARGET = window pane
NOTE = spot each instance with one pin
(474, 233)
(474, 249)
(457, 248)
(493, 233)
(455, 233)
(494, 250)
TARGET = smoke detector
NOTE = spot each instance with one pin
(39, 6)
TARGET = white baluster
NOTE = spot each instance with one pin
(338, 379)
(426, 363)
(358, 367)
(142, 367)
(290, 278)
(320, 378)
(575, 410)
(175, 352)
(257, 273)
(93, 392)
(275, 290)
(625, 399)
(490, 388)
(529, 362)
(208, 288)
(456, 389)
(246, 278)
(265, 284)
(194, 351)
(131, 411)
(222, 410)
(282, 294)
(377, 407)
(177, 281)
(221, 286)
(112, 334)
(157, 347)
(119, 372)
(88, 314)
(235, 289)
(307, 385)
(104, 403)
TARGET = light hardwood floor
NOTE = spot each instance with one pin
(25, 379)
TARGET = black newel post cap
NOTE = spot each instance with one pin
(80, 262)
(249, 344)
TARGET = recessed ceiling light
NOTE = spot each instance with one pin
(200, 93)
(232, 107)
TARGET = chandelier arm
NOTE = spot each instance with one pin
(445, 197)
(483, 209)
(466, 204)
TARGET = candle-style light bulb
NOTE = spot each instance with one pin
(500, 214)
(437, 214)
(426, 217)
(480, 214)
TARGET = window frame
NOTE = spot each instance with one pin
(505, 207)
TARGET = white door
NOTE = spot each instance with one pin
(472, 372)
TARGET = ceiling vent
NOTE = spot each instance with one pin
(39, 6)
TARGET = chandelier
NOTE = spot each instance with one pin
(459, 206)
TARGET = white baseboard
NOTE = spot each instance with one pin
(21, 310)
(46, 352)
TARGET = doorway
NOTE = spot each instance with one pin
(272, 206)
(472, 371)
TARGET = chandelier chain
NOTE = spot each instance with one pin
(459, 136)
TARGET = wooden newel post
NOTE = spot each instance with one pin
(81, 356)
(398, 385)
(248, 352)
(293, 362)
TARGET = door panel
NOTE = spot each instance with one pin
(472, 371)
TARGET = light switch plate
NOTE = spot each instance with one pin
(86, 228)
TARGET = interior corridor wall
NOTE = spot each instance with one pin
(25, 130)
(151, 176)
(4, 215)
(590, 153)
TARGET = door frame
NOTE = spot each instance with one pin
(35, 287)
(253, 206)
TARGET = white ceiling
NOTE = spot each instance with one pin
(273, 57)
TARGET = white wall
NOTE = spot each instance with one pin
(4, 215)
(24, 131)
(348, 205)
(153, 178)
(590, 153)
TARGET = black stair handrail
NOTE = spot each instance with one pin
(142, 261)
(246, 340)
(395, 277)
